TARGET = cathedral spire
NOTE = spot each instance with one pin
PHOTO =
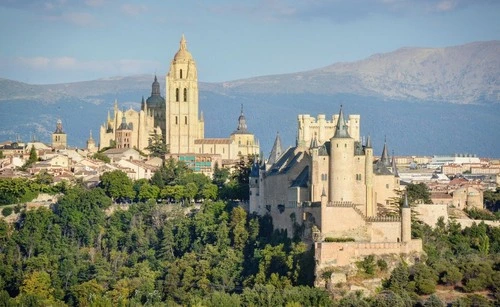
(242, 122)
(155, 87)
(183, 42)
(341, 128)
(276, 151)
(59, 127)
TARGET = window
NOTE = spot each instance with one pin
(185, 120)
(176, 121)
(177, 94)
(180, 73)
(185, 94)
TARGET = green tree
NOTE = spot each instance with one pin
(38, 284)
(157, 146)
(220, 175)
(117, 185)
(101, 156)
(209, 191)
(148, 191)
(190, 191)
(418, 193)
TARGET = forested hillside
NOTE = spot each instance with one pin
(86, 251)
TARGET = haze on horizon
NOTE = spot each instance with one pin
(59, 41)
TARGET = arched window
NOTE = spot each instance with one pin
(185, 120)
(176, 120)
(180, 73)
(185, 94)
(177, 94)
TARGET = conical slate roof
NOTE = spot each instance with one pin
(276, 151)
(341, 128)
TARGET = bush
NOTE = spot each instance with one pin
(7, 211)
(367, 264)
(330, 239)
(473, 300)
(382, 265)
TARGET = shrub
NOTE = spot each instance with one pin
(382, 264)
(7, 211)
(367, 264)
(330, 239)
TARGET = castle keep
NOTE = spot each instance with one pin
(330, 186)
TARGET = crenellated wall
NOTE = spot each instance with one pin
(345, 253)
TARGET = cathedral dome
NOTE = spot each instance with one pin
(183, 54)
(242, 124)
(155, 100)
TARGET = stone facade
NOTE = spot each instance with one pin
(331, 185)
(178, 119)
(128, 128)
(59, 137)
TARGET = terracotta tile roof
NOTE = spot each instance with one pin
(212, 141)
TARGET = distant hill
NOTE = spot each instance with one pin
(427, 101)
(462, 74)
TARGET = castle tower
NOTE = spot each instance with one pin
(341, 162)
(157, 106)
(59, 138)
(123, 134)
(371, 209)
(91, 143)
(406, 221)
(183, 124)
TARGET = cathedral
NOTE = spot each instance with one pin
(330, 188)
(178, 120)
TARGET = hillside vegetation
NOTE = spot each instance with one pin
(82, 253)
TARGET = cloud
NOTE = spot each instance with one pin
(95, 3)
(71, 64)
(34, 62)
(341, 11)
(133, 9)
(79, 19)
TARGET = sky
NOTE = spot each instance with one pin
(59, 41)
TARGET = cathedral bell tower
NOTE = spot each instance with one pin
(59, 138)
(183, 122)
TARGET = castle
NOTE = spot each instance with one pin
(178, 120)
(329, 187)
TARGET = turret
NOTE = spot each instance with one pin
(384, 158)
(406, 221)
(371, 209)
(341, 162)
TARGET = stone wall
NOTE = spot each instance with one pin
(385, 231)
(346, 253)
(430, 214)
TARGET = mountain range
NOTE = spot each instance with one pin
(425, 100)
